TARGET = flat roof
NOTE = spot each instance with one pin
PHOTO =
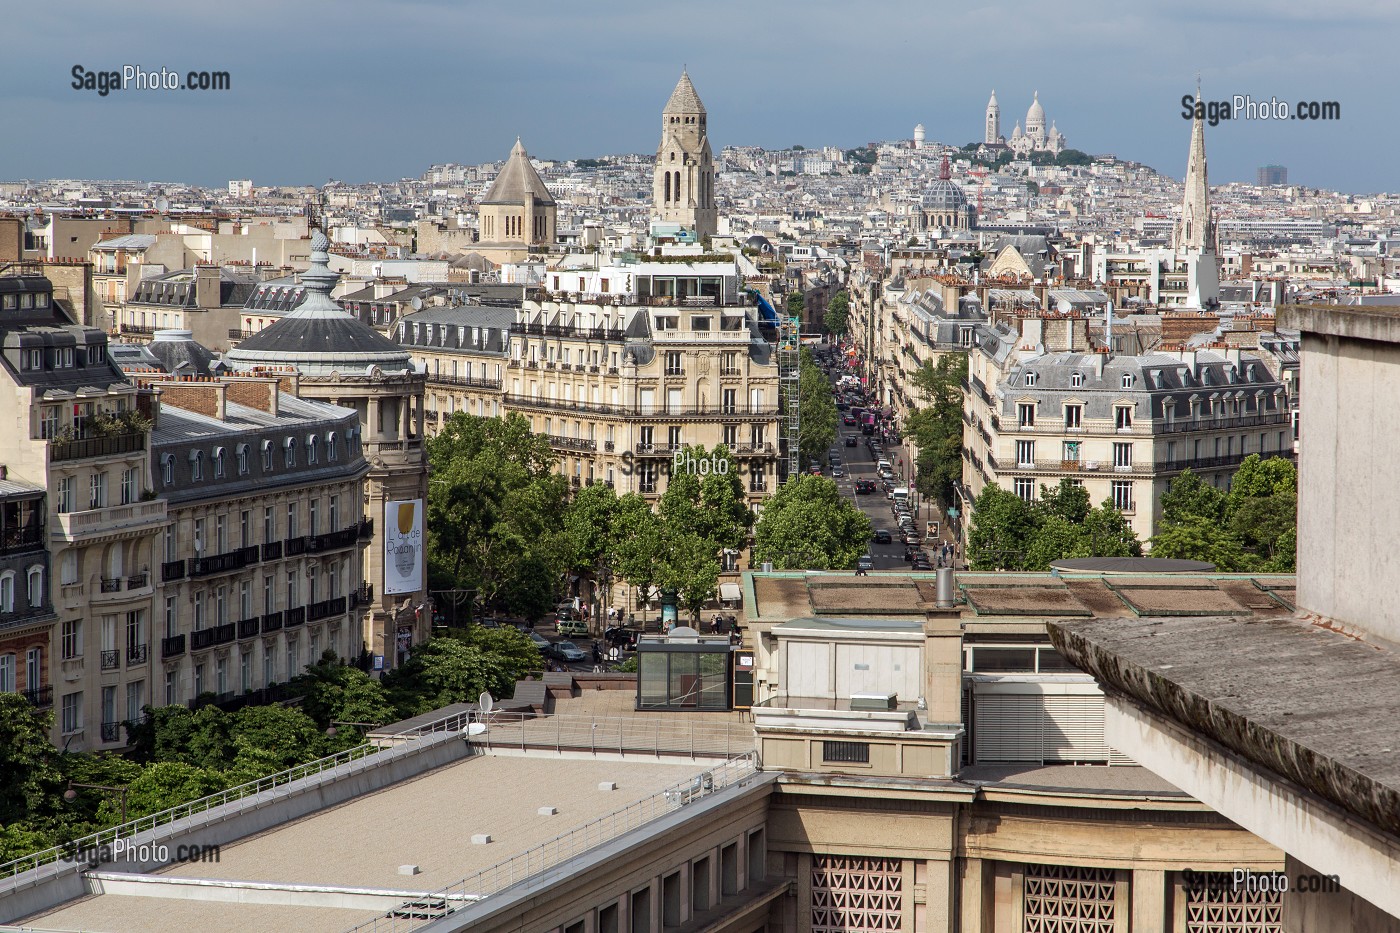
(812, 623)
(426, 821)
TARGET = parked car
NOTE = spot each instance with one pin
(567, 651)
(538, 640)
(572, 628)
(866, 563)
(864, 486)
(882, 536)
(849, 420)
(619, 637)
(921, 563)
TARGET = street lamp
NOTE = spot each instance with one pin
(331, 732)
(71, 794)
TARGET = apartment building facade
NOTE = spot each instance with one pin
(1044, 405)
(620, 366)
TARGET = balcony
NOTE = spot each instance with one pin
(362, 596)
(271, 622)
(223, 563)
(272, 551)
(223, 634)
(582, 444)
(111, 584)
(366, 529)
(114, 445)
(17, 540)
(564, 330)
(294, 617)
(465, 382)
(345, 537)
(138, 580)
(135, 654)
(39, 697)
(111, 731)
(293, 547)
(1087, 466)
(247, 628)
(1268, 419)
(118, 520)
(201, 639)
(657, 450)
(172, 647)
(172, 570)
(1231, 461)
(111, 659)
(325, 609)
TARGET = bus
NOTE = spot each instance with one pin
(867, 422)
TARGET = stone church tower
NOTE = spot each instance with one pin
(518, 214)
(683, 190)
(1194, 239)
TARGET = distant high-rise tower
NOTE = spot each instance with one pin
(683, 190)
(919, 136)
(1194, 239)
(993, 122)
(1272, 175)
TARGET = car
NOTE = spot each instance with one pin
(921, 563)
(866, 563)
(864, 486)
(572, 628)
(815, 469)
(850, 440)
(538, 640)
(837, 472)
(842, 406)
(567, 651)
(849, 420)
(882, 536)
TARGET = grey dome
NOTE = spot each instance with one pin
(943, 195)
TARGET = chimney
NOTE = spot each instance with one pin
(207, 287)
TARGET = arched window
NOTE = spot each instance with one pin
(668, 187)
(7, 591)
(167, 469)
(219, 461)
(267, 456)
(242, 459)
(332, 449)
(290, 455)
(311, 449)
(196, 465)
(35, 577)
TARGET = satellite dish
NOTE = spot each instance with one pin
(417, 303)
(476, 728)
(485, 702)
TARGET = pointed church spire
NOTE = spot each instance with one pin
(1196, 228)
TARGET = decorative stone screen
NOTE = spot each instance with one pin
(856, 895)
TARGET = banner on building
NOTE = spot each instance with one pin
(403, 546)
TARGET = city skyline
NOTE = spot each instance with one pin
(316, 95)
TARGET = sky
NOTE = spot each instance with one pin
(366, 91)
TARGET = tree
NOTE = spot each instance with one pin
(1189, 497)
(493, 502)
(838, 314)
(268, 739)
(588, 525)
(818, 410)
(690, 566)
(457, 669)
(636, 545)
(1253, 527)
(937, 426)
(796, 304)
(1010, 534)
(1199, 539)
(709, 503)
(809, 525)
(332, 691)
(29, 781)
(161, 786)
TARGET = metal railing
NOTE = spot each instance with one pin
(563, 847)
(109, 446)
(246, 795)
(650, 735)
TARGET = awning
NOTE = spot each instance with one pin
(729, 592)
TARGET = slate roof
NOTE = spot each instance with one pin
(683, 98)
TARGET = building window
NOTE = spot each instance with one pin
(1123, 495)
(167, 469)
(1031, 379)
(128, 486)
(218, 463)
(1025, 488)
(242, 459)
(7, 591)
(1128, 380)
(97, 490)
(65, 494)
(72, 639)
(1076, 380)
(35, 580)
(846, 752)
(1122, 456)
(1025, 414)
(1025, 453)
(267, 456)
(311, 453)
(48, 422)
(673, 363)
(7, 673)
(332, 451)
(172, 617)
(72, 712)
(172, 686)
(197, 465)
(290, 456)
(1123, 417)
(1073, 416)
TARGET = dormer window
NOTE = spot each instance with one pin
(267, 456)
(1128, 380)
(242, 459)
(1031, 379)
(290, 453)
(167, 469)
(219, 461)
(1076, 380)
(196, 465)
